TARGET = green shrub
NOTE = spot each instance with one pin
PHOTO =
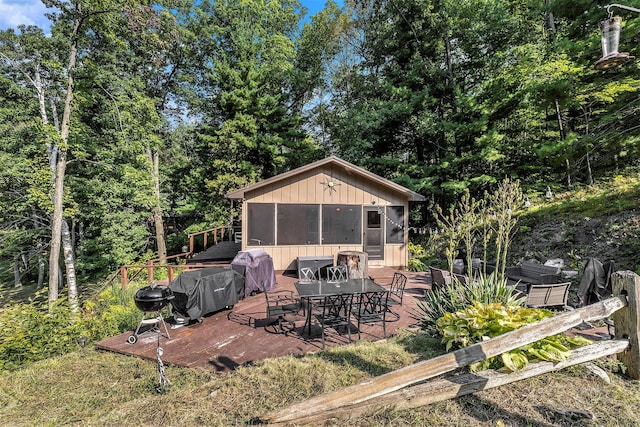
(112, 312)
(31, 331)
(416, 255)
(456, 296)
(479, 322)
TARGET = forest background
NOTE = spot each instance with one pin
(124, 124)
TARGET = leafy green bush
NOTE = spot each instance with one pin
(456, 296)
(31, 331)
(416, 255)
(112, 312)
(479, 322)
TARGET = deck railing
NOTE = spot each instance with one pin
(216, 234)
(173, 264)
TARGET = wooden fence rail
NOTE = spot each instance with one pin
(217, 234)
(171, 264)
(378, 391)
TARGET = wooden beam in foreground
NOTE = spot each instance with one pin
(627, 322)
(421, 371)
(441, 389)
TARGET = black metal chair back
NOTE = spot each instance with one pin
(397, 286)
(309, 274)
(372, 307)
(334, 311)
(337, 273)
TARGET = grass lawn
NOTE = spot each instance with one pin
(88, 387)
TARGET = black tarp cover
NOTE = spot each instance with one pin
(595, 284)
(203, 291)
(257, 267)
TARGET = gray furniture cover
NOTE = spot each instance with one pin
(203, 291)
(256, 266)
(596, 282)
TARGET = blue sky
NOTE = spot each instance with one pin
(31, 12)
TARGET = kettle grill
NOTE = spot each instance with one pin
(151, 300)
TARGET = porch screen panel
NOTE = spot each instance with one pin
(394, 223)
(261, 221)
(298, 224)
(341, 224)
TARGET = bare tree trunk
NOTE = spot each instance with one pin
(16, 272)
(69, 262)
(550, 21)
(559, 118)
(157, 210)
(61, 165)
(41, 266)
(562, 137)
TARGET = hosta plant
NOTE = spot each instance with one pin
(451, 298)
(480, 322)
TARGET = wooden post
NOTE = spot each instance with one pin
(457, 385)
(205, 240)
(190, 243)
(627, 321)
(170, 274)
(150, 271)
(124, 280)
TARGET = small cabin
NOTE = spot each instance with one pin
(325, 208)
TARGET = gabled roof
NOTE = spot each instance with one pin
(412, 195)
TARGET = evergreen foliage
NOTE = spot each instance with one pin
(179, 102)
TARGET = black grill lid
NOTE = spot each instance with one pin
(154, 293)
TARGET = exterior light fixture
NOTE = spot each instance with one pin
(610, 38)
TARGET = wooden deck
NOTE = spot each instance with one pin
(223, 251)
(230, 338)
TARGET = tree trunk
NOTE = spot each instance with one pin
(56, 225)
(157, 210)
(550, 21)
(562, 137)
(16, 272)
(41, 266)
(69, 263)
(61, 164)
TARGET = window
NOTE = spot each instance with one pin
(394, 224)
(261, 223)
(298, 224)
(341, 224)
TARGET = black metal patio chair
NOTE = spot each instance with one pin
(371, 308)
(279, 305)
(333, 311)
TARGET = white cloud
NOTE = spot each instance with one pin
(17, 12)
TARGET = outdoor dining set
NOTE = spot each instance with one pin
(333, 300)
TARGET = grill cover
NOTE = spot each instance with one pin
(257, 268)
(203, 291)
